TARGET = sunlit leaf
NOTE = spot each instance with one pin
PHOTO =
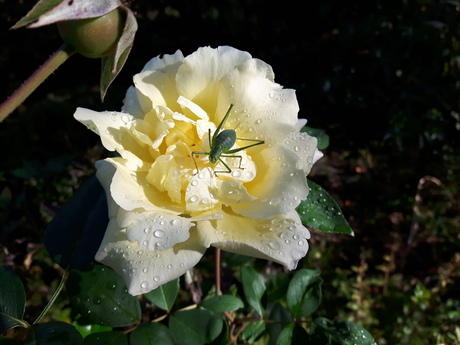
(320, 211)
(107, 338)
(253, 287)
(74, 235)
(101, 297)
(222, 303)
(152, 334)
(304, 293)
(165, 295)
(12, 300)
(194, 327)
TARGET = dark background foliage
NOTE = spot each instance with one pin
(380, 77)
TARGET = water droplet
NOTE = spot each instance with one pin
(145, 269)
(236, 173)
(193, 198)
(194, 182)
(144, 285)
(259, 121)
(125, 118)
(159, 233)
(156, 279)
(147, 230)
(176, 222)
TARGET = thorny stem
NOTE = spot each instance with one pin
(53, 298)
(38, 77)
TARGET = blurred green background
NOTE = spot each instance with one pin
(380, 77)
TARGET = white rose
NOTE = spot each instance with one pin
(163, 212)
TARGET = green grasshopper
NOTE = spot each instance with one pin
(221, 144)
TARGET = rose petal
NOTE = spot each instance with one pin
(304, 146)
(199, 193)
(198, 78)
(144, 270)
(114, 130)
(131, 191)
(263, 109)
(279, 186)
(282, 239)
(154, 230)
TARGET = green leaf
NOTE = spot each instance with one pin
(320, 211)
(344, 332)
(12, 300)
(276, 286)
(293, 334)
(304, 293)
(253, 331)
(165, 295)
(86, 330)
(319, 134)
(113, 63)
(194, 327)
(279, 316)
(54, 333)
(222, 303)
(74, 235)
(101, 296)
(253, 287)
(107, 338)
(152, 334)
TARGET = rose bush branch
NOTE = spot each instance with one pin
(38, 77)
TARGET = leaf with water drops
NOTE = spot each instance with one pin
(12, 300)
(253, 287)
(343, 332)
(165, 295)
(74, 235)
(101, 297)
(304, 293)
(320, 211)
(319, 134)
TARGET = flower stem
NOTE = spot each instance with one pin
(38, 77)
(53, 298)
(218, 292)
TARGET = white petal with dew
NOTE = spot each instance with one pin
(282, 239)
(279, 186)
(144, 270)
(153, 230)
(199, 192)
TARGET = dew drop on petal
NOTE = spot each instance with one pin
(144, 284)
(236, 173)
(159, 233)
(156, 279)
